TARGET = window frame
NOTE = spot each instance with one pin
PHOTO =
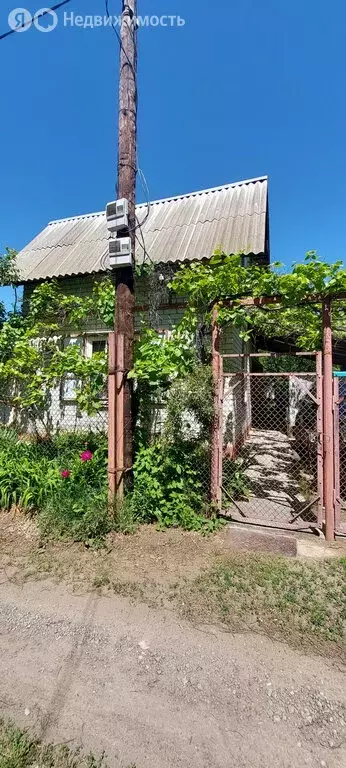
(69, 380)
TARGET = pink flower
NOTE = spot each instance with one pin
(65, 473)
(86, 456)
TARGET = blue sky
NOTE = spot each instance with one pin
(241, 90)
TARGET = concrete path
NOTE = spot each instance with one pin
(103, 673)
(272, 465)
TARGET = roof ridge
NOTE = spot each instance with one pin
(165, 199)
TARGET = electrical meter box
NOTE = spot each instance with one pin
(117, 215)
(120, 253)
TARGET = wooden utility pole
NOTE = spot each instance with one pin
(124, 276)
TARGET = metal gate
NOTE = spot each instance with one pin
(271, 443)
(340, 452)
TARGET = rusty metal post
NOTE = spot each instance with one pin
(111, 416)
(319, 425)
(215, 437)
(220, 454)
(119, 416)
(328, 432)
(337, 490)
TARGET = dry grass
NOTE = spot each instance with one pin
(148, 557)
(290, 599)
(301, 602)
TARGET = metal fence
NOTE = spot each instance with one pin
(268, 465)
(60, 413)
(271, 454)
(340, 451)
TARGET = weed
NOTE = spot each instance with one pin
(291, 598)
(127, 589)
(236, 482)
(18, 749)
(77, 512)
(101, 581)
(125, 518)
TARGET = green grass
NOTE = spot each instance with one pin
(292, 599)
(19, 749)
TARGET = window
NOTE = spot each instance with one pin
(95, 344)
(91, 346)
(98, 345)
(68, 389)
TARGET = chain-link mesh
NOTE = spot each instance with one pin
(339, 361)
(340, 452)
(270, 446)
(60, 417)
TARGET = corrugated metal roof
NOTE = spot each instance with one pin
(178, 229)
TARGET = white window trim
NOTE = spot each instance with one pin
(86, 340)
(88, 350)
(67, 396)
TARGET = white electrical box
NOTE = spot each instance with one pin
(120, 253)
(117, 215)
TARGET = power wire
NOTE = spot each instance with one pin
(140, 173)
(140, 224)
(145, 190)
(40, 16)
(142, 244)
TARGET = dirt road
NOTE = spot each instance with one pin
(105, 674)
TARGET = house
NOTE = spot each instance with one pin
(175, 230)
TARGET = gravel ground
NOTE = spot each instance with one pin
(105, 674)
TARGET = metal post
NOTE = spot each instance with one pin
(319, 425)
(220, 425)
(336, 394)
(119, 416)
(328, 436)
(215, 437)
(111, 416)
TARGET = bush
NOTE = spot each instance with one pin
(77, 511)
(190, 405)
(78, 506)
(26, 478)
(168, 487)
(64, 481)
(67, 445)
(50, 478)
